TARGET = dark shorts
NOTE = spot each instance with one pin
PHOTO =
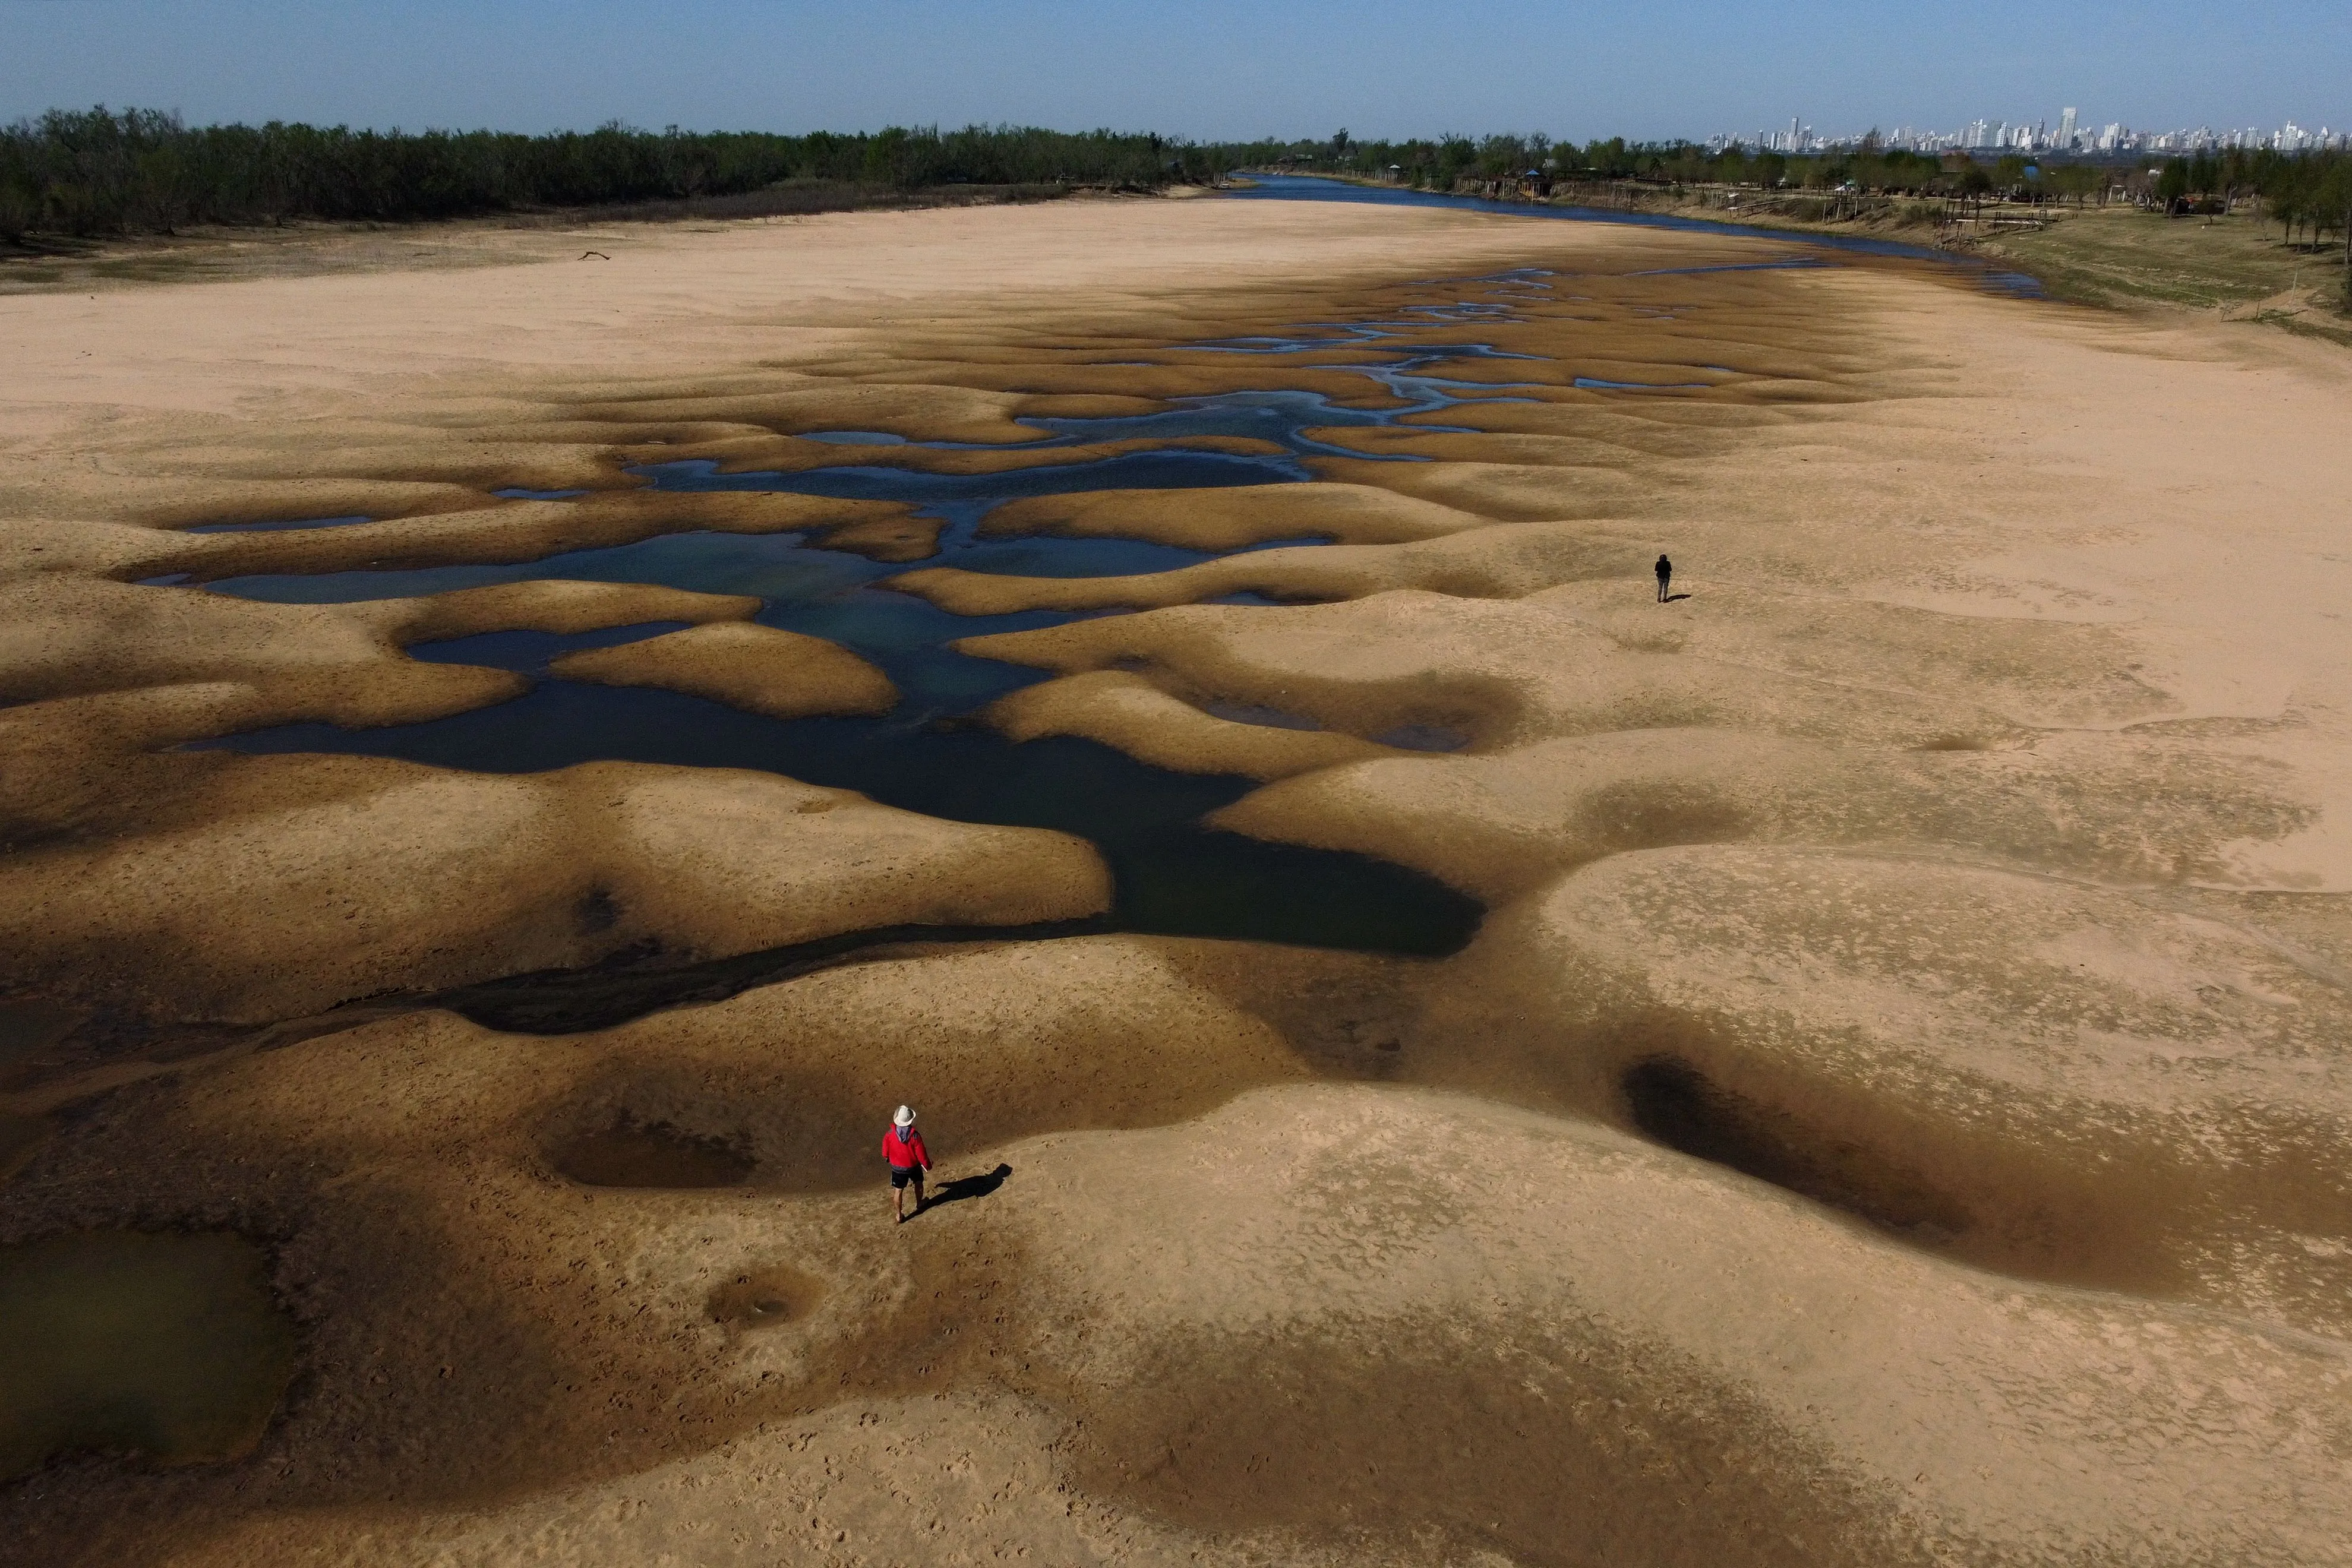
(901, 1175)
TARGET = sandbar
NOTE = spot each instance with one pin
(759, 669)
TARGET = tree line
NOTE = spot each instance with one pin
(1446, 162)
(100, 172)
(2308, 193)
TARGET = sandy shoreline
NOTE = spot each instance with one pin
(1895, 1109)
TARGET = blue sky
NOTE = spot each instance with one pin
(1213, 69)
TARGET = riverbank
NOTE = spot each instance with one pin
(2117, 256)
(1889, 1109)
(2237, 267)
(309, 247)
(1910, 223)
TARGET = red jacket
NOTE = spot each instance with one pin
(905, 1154)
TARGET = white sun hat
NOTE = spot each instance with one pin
(905, 1118)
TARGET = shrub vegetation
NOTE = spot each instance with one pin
(100, 172)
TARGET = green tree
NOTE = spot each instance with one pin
(2173, 184)
(2074, 180)
(2333, 196)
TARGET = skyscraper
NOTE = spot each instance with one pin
(2066, 128)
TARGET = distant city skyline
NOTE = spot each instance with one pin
(2070, 133)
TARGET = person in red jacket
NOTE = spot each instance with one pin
(903, 1147)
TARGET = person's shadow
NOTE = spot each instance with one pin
(964, 1188)
(1675, 598)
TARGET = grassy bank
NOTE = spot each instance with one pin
(2237, 265)
(2240, 265)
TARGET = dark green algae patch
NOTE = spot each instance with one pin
(166, 1346)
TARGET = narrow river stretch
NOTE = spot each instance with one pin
(1308, 188)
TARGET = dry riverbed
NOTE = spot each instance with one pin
(1893, 1108)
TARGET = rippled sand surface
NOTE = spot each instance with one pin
(1895, 1106)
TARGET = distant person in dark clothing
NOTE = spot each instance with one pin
(903, 1147)
(1666, 570)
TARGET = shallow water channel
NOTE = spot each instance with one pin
(929, 754)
